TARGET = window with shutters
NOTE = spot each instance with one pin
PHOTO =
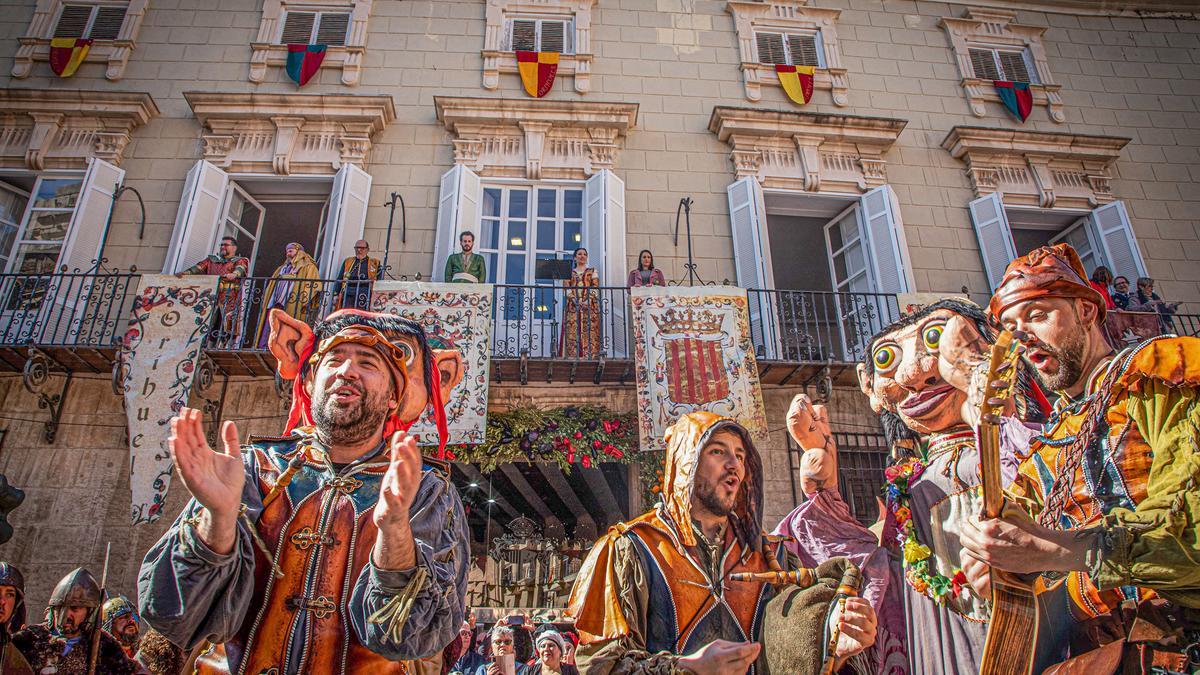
(339, 25)
(112, 25)
(789, 49)
(788, 33)
(561, 26)
(990, 46)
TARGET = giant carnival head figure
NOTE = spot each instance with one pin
(74, 605)
(356, 370)
(1046, 295)
(917, 371)
(12, 599)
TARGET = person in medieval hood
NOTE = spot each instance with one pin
(119, 618)
(655, 594)
(333, 548)
(12, 619)
(65, 643)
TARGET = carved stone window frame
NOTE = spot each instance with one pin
(265, 51)
(535, 140)
(44, 129)
(35, 44)
(497, 59)
(288, 134)
(811, 152)
(788, 16)
(1037, 168)
(993, 28)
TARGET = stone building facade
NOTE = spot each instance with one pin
(904, 173)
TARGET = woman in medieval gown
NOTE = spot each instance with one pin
(581, 323)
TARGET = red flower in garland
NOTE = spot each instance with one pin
(597, 444)
(587, 462)
(611, 426)
(578, 435)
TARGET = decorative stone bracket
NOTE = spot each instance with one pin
(993, 28)
(497, 58)
(62, 128)
(288, 134)
(530, 139)
(788, 16)
(807, 151)
(35, 44)
(1035, 168)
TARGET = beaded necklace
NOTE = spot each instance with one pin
(917, 559)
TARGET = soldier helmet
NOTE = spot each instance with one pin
(11, 576)
(77, 589)
(116, 608)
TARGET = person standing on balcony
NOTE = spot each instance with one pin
(288, 290)
(1120, 293)
(331, 549)
(354, 282)
(1146, 300)
(581, 322)
(231, 268)
(1100, 280)
(646, 274)
(466, 267)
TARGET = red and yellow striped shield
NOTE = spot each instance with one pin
(67, 53)
(537, 71)
(797, 81)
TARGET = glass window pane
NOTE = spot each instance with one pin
(490, 259)
(835, 239)
(12, 207)
(8, 235)
(489, 234)
(543, 303)
(491, 202)
(57, 193)
(249, 218)
(514, 268)
(516, 235)
(545, 235)
(572, 236)
(839, 267)
(573, 203)
(518, 204)
(546, 203)
(855, 261)
(37, 258)
(849, 227)
(48, 225)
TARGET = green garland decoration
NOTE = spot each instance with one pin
(567, 436)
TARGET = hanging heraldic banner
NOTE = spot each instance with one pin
(693, 352)
(157, 365)
(454, 316)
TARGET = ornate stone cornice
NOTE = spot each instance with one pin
(527, 138)
(1037, 168)
(61, 128)
(288, 133)
(807, 151)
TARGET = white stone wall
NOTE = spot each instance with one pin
(1121, 76)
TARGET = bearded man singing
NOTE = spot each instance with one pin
(332, 549)
(1110, 481)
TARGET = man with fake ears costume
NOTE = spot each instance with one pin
(333, 548)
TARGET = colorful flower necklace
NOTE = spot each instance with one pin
(918, 560)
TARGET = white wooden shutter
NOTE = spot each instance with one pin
(770, 48)
(297, 28)
(553, 36)
(1014, 66)
(108, 23)
(983, 63)
(803, 49)
(73, 21)
(994, 235)
(885, 241)
(522, 35)
(332, 27)
(604, 234)
(1116, 239)
(752, 260)
(346, 218)
(199, 217)
(86, 233)
(458, 210)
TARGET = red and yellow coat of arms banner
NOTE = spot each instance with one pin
(67, 53)
(797, 81)
(537, 71)
(693, 352)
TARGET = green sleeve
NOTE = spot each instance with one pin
(449, 273)
(1157, 544)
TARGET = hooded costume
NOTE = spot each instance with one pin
(652, 589)
(289, 289)
(1123, 460)
(299, 592)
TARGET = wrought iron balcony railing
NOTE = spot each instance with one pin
(65, 310)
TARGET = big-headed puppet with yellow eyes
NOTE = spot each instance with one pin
(917, 373)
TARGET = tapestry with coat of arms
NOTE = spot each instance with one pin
(454, 316)
(693, 352)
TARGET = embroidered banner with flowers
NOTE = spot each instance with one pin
(454, 316)
(157, 364)
(537, 71)
(693, 352)
(67, 53)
